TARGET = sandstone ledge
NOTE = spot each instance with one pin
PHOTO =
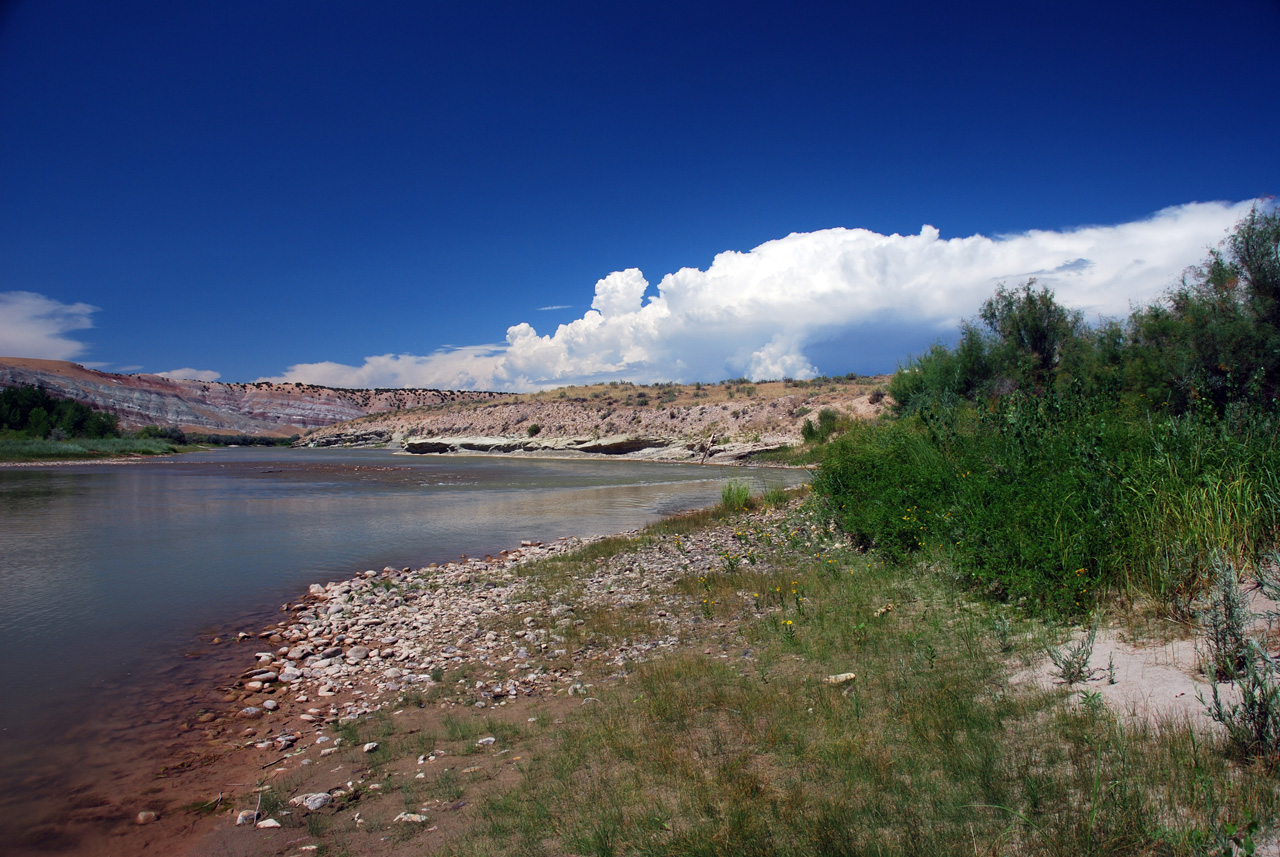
(622, 446)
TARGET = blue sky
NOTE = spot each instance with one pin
(437, 194)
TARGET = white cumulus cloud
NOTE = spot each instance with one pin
(191, 374)
(32, 325)
(755, 313)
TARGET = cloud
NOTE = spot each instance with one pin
(32, 325)
(755, 313)
(557, 306)
(190, 374)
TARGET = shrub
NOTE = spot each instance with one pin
(735, 495)
(828, 423)
(1053, 498)
(533, 429)
(1253, 723)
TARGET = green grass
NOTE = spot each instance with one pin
(928, 750)
(16, 449)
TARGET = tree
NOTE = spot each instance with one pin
(1031, 332)
(1214, 339)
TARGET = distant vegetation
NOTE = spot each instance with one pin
(177, 436)
(32, 413)
(1049, 462)
(36, 425)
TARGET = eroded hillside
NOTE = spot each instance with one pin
(677, 422)
(213, 407)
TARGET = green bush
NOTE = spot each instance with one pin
(829, 422)
(1049, 461)
(1052, 499)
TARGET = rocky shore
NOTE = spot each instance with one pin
(350, 645)
(292, 710)
(349, 649)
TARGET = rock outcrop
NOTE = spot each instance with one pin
(630, 446)
(212, 407)
(617, 445)
(704, 422)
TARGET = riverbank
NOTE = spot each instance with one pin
(716, 678)
(479, 635)
(112, 572)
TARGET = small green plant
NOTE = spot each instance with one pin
(1226, 622)
(1003, 629)
(533, 429)
(774, 497)
(1072, 662)
(735, 495)
(1253, 723)
(317, 824)
(1091, 701)
(1229, 840)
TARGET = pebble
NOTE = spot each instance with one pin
(371, 746)
(245, 816)
(145, 817)
(271, 705)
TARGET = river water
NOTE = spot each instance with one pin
(116, 575)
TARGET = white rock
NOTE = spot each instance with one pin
(318, 800)
(267, 823)
(371, 746)
(145, 817)
(411, 817)
(245, 816)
